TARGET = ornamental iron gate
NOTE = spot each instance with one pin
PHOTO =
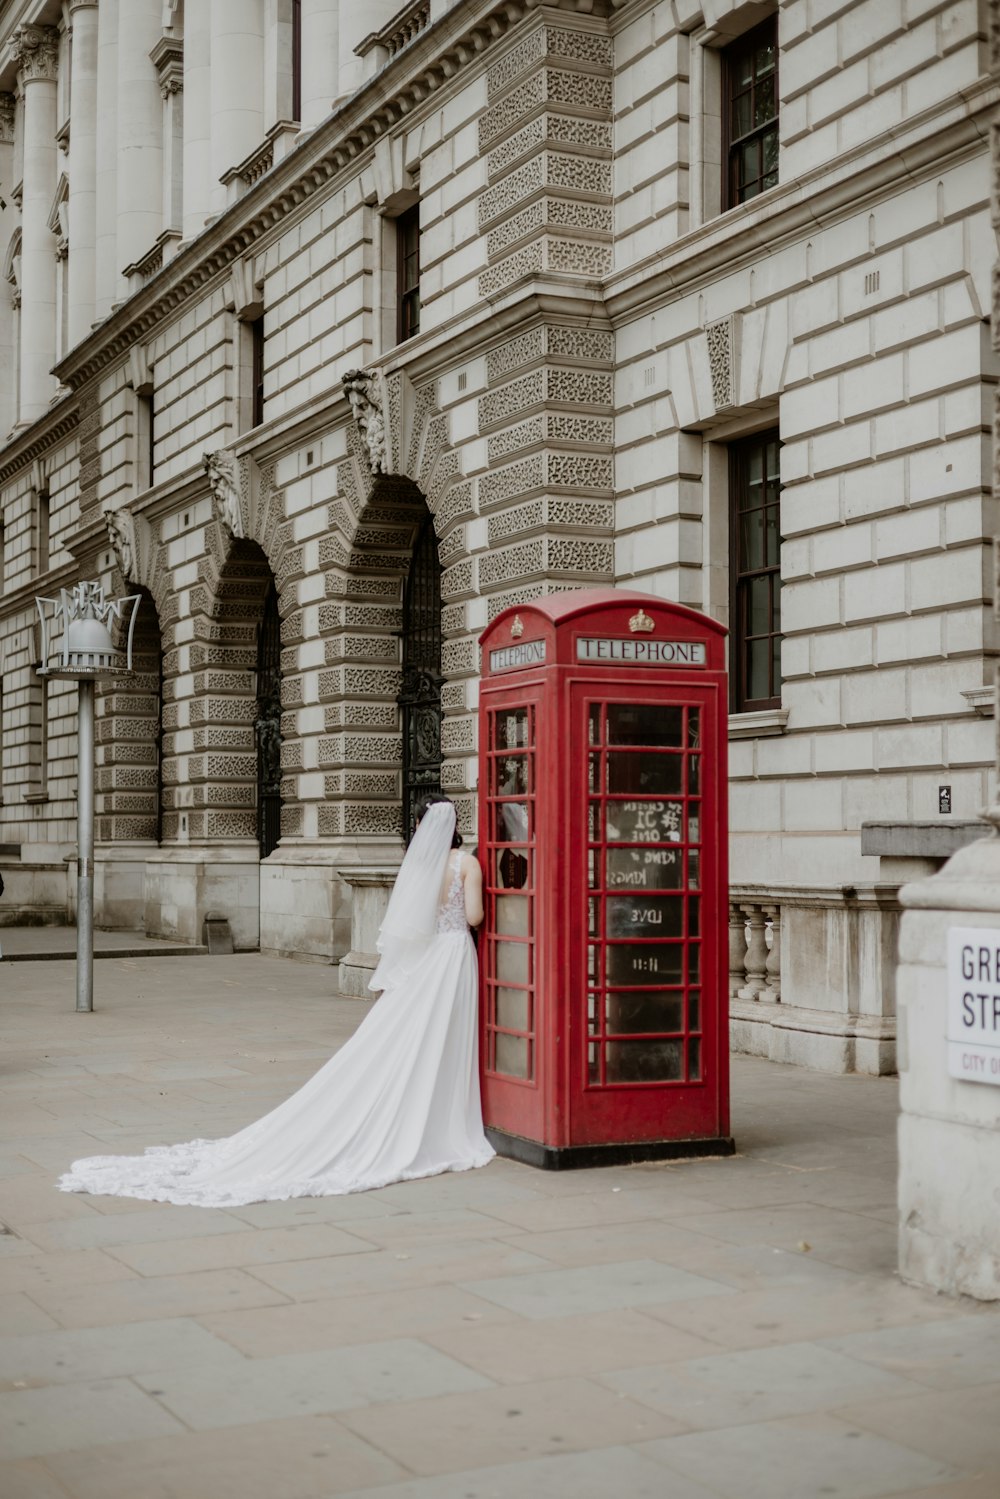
(420, 695)
(268, 726)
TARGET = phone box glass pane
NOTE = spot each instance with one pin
(513, 915)
(639, 915)
(511, 729)
(645, 1061)
(644, 868)
(513, 963)
(511, 824)
(650, 1010)
(511, 773)
(645, 723)
(648, 965)
(513, 1009)
(637, 773)
(512, 1056)
(513, 868)
(645, 822)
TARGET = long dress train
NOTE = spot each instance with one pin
(399, 1100)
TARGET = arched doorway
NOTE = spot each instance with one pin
(420, 693)
(267, 726)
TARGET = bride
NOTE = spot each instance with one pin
(399, 1100)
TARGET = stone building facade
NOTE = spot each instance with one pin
(335, 329)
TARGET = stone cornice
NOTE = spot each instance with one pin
(50, 429)
(340, 144)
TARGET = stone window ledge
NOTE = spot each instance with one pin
(758, 725)
(983, 699)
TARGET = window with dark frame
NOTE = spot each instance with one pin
(755, 573)
(751, 115)
(408, 264)
(144, 449)
(296, 59)
(43, 530)
(257, 371)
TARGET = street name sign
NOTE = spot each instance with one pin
(973, 970)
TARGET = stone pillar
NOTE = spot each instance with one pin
(8, 345)
(36, 51)
(320, 60)
(237, 116)
(949, 1127)
(197, 192)
(82, 266)
(140, 132)
(356, 21)
(109, 282)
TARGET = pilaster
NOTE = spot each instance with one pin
(167, 58)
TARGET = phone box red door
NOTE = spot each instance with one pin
(603, 838)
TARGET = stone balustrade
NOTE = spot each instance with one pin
(755, 951)
(812, 975)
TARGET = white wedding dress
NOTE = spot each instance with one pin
(400, 1100)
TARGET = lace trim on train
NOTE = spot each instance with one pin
(158, 1176)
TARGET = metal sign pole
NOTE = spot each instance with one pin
(85, 651)
(85, 852)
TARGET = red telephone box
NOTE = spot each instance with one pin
(603, 838)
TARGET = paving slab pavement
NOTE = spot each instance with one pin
(682, 1330)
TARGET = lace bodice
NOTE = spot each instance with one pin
(451, 914)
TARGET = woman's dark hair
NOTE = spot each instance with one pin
(428, 801)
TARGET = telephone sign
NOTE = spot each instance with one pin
(603, 718)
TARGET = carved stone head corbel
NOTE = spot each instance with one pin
(362, 391)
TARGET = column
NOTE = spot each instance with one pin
(109, 282)
(237, 56)
(320, 60)
(82, 267)
(36, 50)
(197, 193)
(356, 22)
(8, 346)
(140, 131)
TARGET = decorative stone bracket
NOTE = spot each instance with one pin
(723, 339)
(220, 467)
(363, 391)
(130, 539)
